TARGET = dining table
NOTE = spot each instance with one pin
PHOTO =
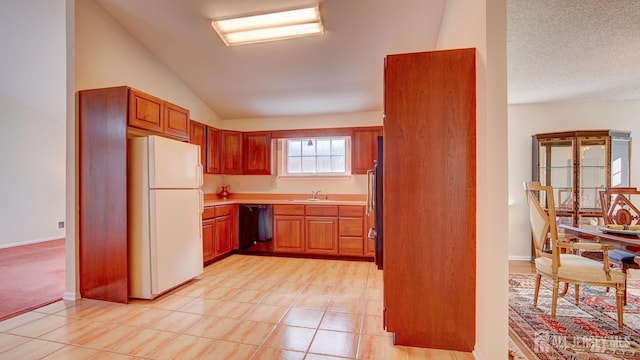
(626, 241)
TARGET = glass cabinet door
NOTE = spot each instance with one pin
(555, 168)
(592, 172)
(620, 153)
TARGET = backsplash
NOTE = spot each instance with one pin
(355, 184)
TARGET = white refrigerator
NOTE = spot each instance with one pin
(165, 207)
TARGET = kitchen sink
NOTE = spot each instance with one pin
(307, 200)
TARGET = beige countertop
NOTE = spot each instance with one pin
(341, 199)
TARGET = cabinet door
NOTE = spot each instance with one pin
(288, 234)
(208, 247)
(256, 153)
(213, 151)
(322, 235)
(231, 152)
(145, 111)
(198, 136)
(364, 149)
(430, 107)
(176, 121)
(369, 244)
(222, 234)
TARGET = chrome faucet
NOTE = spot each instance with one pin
(315, 193)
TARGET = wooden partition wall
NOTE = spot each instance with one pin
(430, 199)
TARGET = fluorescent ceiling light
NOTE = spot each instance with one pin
(269, 27)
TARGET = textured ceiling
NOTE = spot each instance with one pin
(573, 50)
(569, 50)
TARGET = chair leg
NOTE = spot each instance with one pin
(554, 298)
(624, 270)
(535, 294)
(619, 300)
(577, 294)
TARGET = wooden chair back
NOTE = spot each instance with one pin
(620, 210)
(543, 220)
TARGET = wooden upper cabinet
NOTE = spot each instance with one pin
(364, 145)
(209, 140)
(176, 120)
(153, 114)
(198, 136)
(145, 111)
(231, 152)
(213, 151)
(256, 153)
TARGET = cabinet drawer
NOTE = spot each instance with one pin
(322, 210)
(145, 111)
(223, 210)
(351, 226)
(208, 213)
(297, 209)
(351, 210)
(350, 246)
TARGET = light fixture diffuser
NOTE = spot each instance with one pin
(269, 27)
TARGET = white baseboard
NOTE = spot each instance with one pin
(28, 242)
(476, 353)
(519, 257)
(72, 296)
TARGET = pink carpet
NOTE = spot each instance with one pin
(31, 276)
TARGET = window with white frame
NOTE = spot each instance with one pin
(321, 156)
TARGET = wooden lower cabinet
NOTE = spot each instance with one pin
(322, 235)
(223, 235)
(288, 228)
(219, 231)
(288, 233)
(208, 246)
(320, 229)
(352, 230)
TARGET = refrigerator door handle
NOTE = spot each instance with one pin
(370, 195)
(199, 176)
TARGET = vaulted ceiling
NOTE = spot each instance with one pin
(571, 50)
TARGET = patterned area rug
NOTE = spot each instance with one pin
(588, 331)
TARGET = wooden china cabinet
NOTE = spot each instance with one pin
(578, 164)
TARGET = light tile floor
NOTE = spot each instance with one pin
(243, 307)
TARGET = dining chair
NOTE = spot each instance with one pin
(560, 264)
(619, 208)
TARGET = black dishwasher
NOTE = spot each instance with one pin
(255, 225)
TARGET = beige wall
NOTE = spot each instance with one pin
(107, 55)
(526, 120)
(33, 106)
(485, 29)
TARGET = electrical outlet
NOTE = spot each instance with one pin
(60, 224)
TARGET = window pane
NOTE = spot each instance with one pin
(294, 147)
(324, 164)
(338, 164)
(294, 164)
(316, 156)
(323, 146)
(337, 146)
(308, 164)
(309, 150)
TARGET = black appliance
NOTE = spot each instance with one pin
(248, 225)
(374, 204)
(255, 226)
